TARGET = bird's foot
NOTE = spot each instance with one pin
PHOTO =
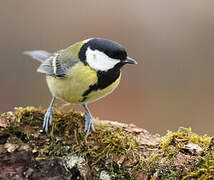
(48, 119)
(89, 124)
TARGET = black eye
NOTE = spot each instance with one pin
(120, 55)
(110, 54)
(117, 54)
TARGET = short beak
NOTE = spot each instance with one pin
(130, 61)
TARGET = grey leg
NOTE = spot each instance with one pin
(89, 124)
(48, 116)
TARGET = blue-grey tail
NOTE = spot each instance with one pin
(39, 55)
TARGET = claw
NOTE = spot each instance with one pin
(48, 116)
(86, 122)
(89, 124)
(48, 119)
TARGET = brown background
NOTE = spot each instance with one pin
(173, 41)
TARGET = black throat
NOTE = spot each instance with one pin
(105, 78)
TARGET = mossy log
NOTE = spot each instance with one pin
(114, 151)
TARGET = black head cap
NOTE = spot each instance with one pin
(110, 48)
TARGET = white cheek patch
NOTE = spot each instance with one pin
(99, 60)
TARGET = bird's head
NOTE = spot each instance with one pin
(104, 55)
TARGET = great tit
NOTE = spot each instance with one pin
(82, 73)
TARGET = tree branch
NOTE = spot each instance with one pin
(114, 151)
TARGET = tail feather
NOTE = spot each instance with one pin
(38, 55)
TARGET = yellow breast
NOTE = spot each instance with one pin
(72, 87)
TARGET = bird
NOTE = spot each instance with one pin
(82, 73)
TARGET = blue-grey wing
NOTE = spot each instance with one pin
(55, 66)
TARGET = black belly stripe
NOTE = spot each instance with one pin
(104, 80)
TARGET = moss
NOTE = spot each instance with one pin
(109, 151)
(102, 149)
(182, 136)
(205, 169)
(195, 165)
(173, 159)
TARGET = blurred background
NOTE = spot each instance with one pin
(173, 42)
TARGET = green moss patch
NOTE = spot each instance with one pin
(111, 151)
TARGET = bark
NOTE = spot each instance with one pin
(114, 151)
